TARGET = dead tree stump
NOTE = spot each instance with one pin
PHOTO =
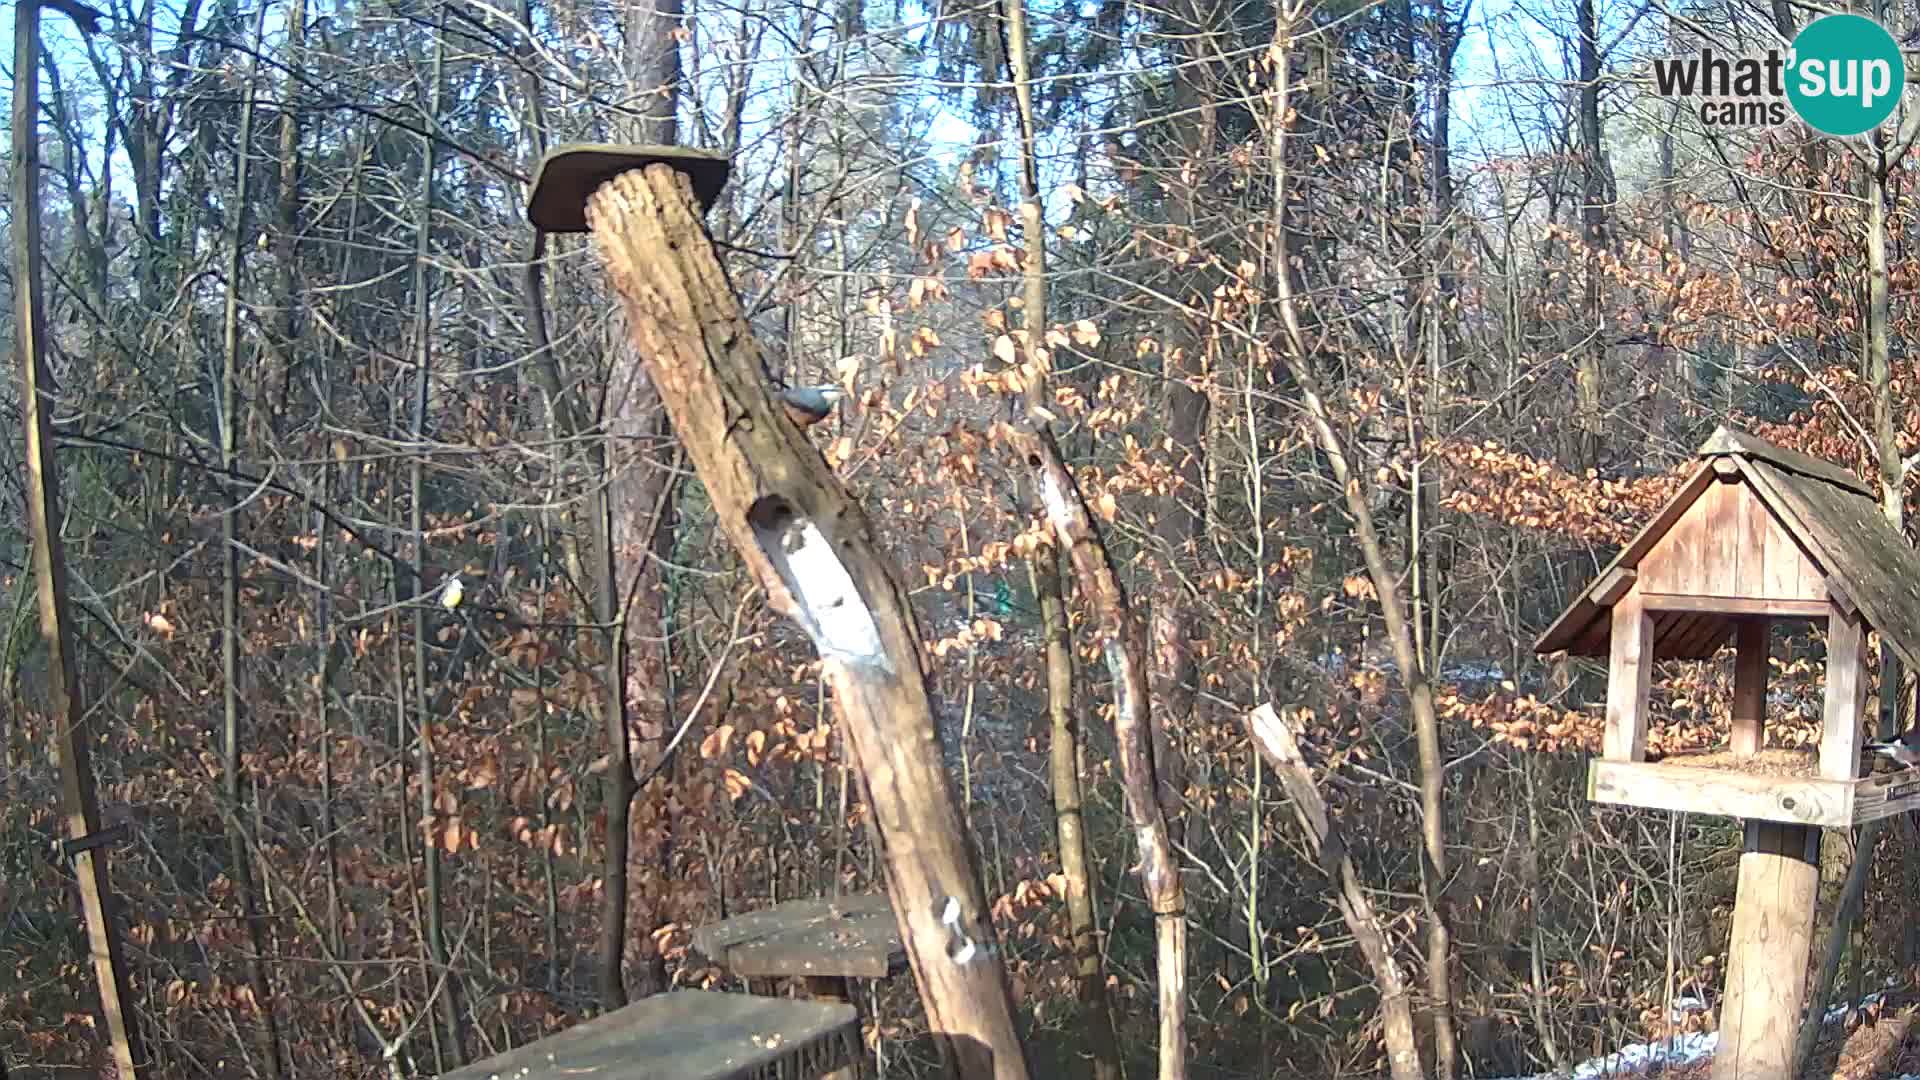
(812, 550)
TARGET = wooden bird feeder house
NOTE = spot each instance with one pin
(1757, 535)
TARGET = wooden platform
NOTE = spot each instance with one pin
(1793, 800)
(689, 1035)
(855, 937)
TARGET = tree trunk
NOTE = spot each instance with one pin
(632, 531)
(1178, 519)
(450, 1011)
(1885, 424)
(1593, 227)
(1064, 759)
(1124, 644)
(77, 798)
(240, 855)
(1044, 567)
(1295, 351)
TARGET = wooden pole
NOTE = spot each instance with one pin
(1779, 886)
(1767, 956)
(1629, 681)
(78, 801)
(1750, 686)
(812, 550)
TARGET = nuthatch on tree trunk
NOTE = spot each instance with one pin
(808, 405)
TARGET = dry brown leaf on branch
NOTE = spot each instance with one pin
(716, 742)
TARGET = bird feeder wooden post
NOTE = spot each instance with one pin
(1757, 535)
(811, 549)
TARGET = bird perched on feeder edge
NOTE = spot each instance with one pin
(1903, 751)
(808, 405)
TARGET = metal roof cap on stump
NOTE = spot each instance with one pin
(1830, 515)
(569, 174)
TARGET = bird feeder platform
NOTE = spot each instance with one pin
(824, 943)
(855, 937)
(1757, 535)
(690, 1035)
(1797, 800)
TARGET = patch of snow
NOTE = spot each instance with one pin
(1683, 1006)
(1839, 1012)
(1684, 1049)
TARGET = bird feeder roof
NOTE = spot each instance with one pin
(1830, 515)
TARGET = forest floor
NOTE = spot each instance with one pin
(1876, 1041)
(1878, 1050)
(1882, 1048)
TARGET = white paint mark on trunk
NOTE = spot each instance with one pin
(831, 609)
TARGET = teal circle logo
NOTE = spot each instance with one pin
(1845, 74)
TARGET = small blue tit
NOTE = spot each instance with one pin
(808, 405)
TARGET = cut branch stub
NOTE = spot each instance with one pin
(1274, 737)
(813, 551)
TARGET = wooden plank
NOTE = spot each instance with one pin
(1719, 572)
(1570, 628)
(1886, 795)
(1767, 956)
(854, 937)
(689, 1035)
(1733, 441)
(1750, 670)
(1629, 680)
(1813, 579)
(1789, 513)
(1837, 592)
(1750, 539)
(1725, 793)
(1609, 587)
(1737, 605)
(1846, 697)
(1670, 628)
(1676, 563)
(1787, 569)
(1706, 639)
